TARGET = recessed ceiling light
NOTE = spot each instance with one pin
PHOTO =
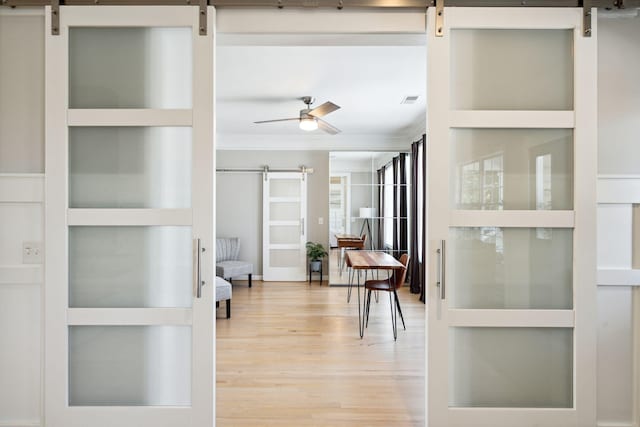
(410, 99)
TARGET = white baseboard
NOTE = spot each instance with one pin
(20, 423)
(608, 424)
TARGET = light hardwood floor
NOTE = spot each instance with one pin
(291, 355)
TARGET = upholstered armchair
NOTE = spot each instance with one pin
(228, 265)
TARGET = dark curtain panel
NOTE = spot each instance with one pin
(415, 267)
(395, 249)
(403, 231)
(423, 218)
(380, 227)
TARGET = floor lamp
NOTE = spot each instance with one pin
(366, 213)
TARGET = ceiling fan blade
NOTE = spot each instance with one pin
(327, 127)
(278, 120)
(324, 109)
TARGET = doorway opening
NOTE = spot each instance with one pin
(291, 350)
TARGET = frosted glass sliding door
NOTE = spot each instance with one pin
(284, 231)
(511, 223)
(130, 325)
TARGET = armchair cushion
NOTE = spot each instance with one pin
(228, 269)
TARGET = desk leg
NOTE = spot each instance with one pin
(360, 323)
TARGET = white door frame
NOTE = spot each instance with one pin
(293, 274)
(583, 120)
(200, 217)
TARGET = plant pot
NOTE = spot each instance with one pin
(315, 265)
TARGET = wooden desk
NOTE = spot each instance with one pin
(347, 241)
(369, 260)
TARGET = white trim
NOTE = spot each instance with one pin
(315, 142)
(618, 189)
(289, 222)
(512, 119)
(21, 188)
(512, 318)
(21, 11)
(30, 274)
(557, 417)
(319, 21)
(618, 277)
(104, 416)
(585, 134)
(510, 18)
(635, 327)
(126, 16)
(129, 316)
(284, 199)
(130, 117)
(115, 217)
(544, 219)
(610, 424)
(20, 423)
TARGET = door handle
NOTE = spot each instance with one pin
(441, 273)
(198, 282)
(302, 226)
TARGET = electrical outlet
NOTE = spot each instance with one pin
(32, 253)
(320, 221)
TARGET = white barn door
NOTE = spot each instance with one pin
(284, 226)
(511, 218)
(129, 218)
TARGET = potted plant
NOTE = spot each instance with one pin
(315, 253)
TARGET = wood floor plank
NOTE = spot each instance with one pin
(291, 355)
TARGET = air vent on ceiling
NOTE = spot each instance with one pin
(410, 99)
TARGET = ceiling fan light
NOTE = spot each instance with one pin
(308, 124)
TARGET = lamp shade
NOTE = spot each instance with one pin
(367, 212)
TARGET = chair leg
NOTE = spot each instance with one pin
(249, 280)
(367, 308)
(393, 317)
(228, 308)
(399, 309)
(217, 304)
(350, 271)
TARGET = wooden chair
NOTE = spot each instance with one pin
(391, 286)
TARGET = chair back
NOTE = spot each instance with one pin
(227, 249)
(399, 276)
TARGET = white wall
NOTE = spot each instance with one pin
(619, 96)
(618, 154)
(21, 215)
(239, 197)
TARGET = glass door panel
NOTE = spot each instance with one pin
(503, 69)
(129, 365)
(130, 267)
(284, 258)
(130, 67)
(511, 367)
(512, 169)
(285, 188)
(130, 167)
(285, 211)
(510, 268)
(285, 234)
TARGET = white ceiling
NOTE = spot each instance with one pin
(263, 77)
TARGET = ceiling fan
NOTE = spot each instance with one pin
(310, 118)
